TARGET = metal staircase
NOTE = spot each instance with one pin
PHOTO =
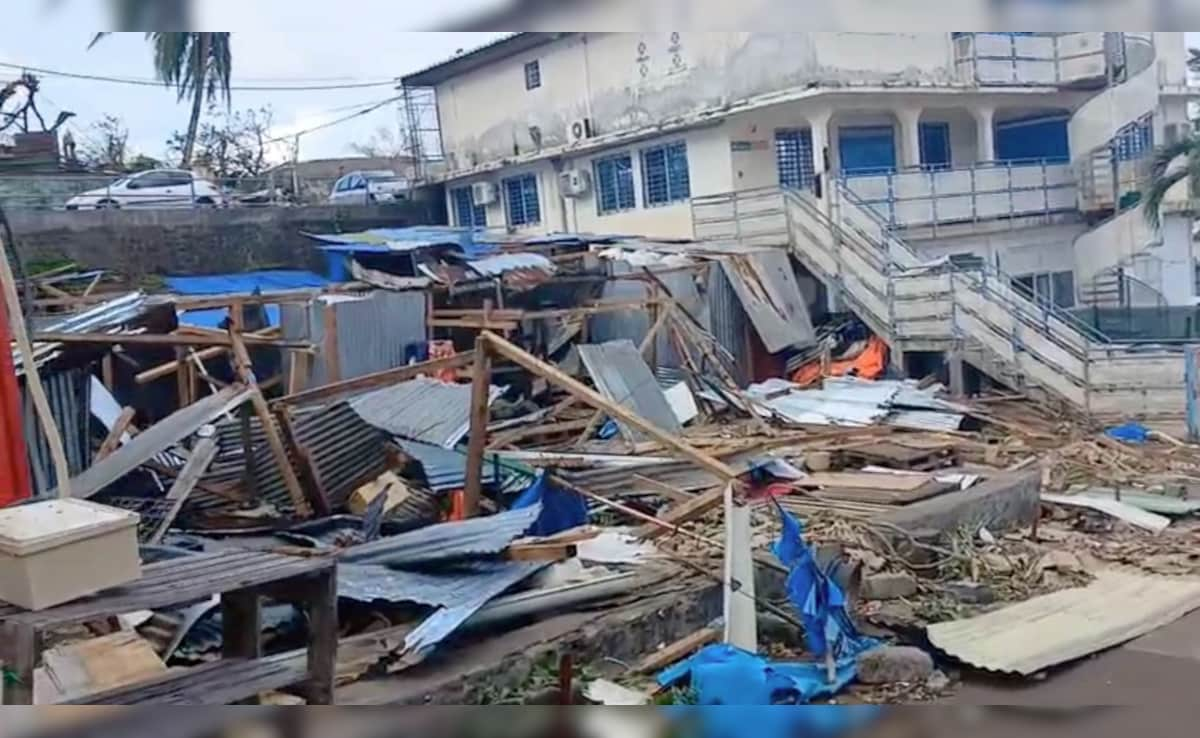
(920, 306)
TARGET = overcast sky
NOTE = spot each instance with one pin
(55, 34)
(38, 33)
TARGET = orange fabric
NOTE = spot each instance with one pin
(458, 506)
(870, 364)
(443, 350)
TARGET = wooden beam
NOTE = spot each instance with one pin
(163, 370)
(163, 339)
(120, 427)
(329, 345)
(197, 464)
(378, 379)
(208, 302)
(481, 380)
(677, 651)
(295, 491)
(518, 551)
(311, 476)
(683, 513)
(600, 402)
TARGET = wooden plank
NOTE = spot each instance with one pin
(329, 345)
(598, 401)
(310, 474)
(677, 651)
(119, 429)
(322, 604)
(224, 682)
(291, 481)
(540, 551)
(20, 648)
(208, 302)
(378, 379)
(866, 480)
(163, 370)
(163, 339)
(481, 379)
(677, 515)
(197, 464)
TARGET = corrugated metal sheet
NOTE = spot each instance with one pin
(369, 583)
(862, 404)
(345, 450)
(374, 331)
(69, 395)
(447, 541)
(401, 240)
(495, 265)
(1056, 628)
(621, 374)
(766, 286)
(635, 324)
(728, 322)
(446, 469)
(421, 409)
(107, 315)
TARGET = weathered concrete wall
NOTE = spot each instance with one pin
(149, 242)
(624, 81)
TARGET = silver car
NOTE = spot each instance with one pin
(156, 188)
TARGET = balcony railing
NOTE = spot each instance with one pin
(988, 191)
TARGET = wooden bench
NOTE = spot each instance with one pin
(242, 578)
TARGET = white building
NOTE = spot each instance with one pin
(1016, 149)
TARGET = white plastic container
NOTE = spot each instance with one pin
(60, 550)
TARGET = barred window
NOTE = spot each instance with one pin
(794, 156)
(521, 195)
(533, 75)
(614, 184)
(466, 213)
(665, 174)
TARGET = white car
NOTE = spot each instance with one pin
(365, 188)
(156, 188)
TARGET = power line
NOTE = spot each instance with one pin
(330, 124)
(158, 83)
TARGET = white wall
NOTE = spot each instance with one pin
(630, 80)
(1020, 251)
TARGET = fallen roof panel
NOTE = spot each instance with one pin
(767, 288)
(1056, 628)
(447, 541)
(622, 375)
(422, 409)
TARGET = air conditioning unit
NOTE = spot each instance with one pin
(574, 182)
(484, 193)
(579, 130)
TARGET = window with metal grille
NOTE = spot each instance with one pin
(521, 197)
(665, 174)
(466, 213)
(614, 184)
(1134, 140)
(533, 75)
(794, 158)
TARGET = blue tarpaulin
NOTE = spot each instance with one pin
(561, 509)
(781, 721)
(1129, 433)
(274, 280)
(726, 675)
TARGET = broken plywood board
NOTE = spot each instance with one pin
(863, 480)
(1056, 628)
(766, 286)
(622, 376)
(75, 670)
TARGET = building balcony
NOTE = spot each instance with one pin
(922, 197)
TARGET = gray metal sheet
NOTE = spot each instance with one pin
(446, 469)
(729, 322)
(621, 375)
(766, 285)
(369, 583)
(447, 541)
(422, 409)
(69, 394)
(635, 324)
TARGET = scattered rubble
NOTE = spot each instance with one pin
(895, 664)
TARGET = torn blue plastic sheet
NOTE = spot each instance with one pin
(820, 602)
(561, 509)
(608, 430)
(726, 675)
(1135, 433)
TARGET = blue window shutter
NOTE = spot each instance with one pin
(794, 158)
(466, 213)
(614, 184)
(867, 150)
(521, 197)
(665, 175)
(935, 145)
(1038, 138)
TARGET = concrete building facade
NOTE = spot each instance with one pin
(1024, 151)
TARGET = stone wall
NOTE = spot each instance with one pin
(144, 243)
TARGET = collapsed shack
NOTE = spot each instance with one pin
(513, 449)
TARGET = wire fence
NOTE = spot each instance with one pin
(83, 192)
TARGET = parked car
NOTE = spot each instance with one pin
(156, 188)
(364, 188)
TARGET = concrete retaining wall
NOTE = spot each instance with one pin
(140, 243)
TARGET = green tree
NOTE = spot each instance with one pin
(1173, 164)
(195, 64)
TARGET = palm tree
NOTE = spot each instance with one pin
(1173, 164)
(196, 64)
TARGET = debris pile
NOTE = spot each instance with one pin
(479, 444)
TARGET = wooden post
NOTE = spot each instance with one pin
(295, 491)
(241, 627)
(600, 402)
(309, 473)
(481, 380)
(249, 461)
(333, 364)
(322, 603)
